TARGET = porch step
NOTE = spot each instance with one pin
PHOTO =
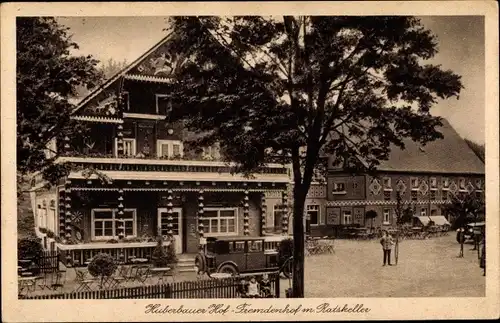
(185, 263)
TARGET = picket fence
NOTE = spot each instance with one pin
(214, 288)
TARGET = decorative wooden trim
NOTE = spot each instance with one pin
(383, 202)
(246, 211)
(97, 119)
(148, 78)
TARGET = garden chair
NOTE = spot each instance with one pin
(80, 274)
(59, 279)
(143, 274)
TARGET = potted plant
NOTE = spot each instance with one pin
(102, 265)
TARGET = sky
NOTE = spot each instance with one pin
(460, 48)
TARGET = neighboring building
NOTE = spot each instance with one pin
(148, 180)
(425, 177)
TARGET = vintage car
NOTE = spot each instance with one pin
(235, 255)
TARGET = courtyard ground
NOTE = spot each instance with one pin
(426, 268)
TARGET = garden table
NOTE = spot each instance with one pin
(85, 285)
(163, 272)
(27, 283)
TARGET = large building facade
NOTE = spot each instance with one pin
(424, 176)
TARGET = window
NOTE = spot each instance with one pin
(163, 104)
(387, 184)
(446, 183)
(313, 214)
(423, 212)
(387, 216)
(169, 148)
(479, 194)
(433, 195)
(338, 188)
(433, 181)
(461, 184)
(105, 223)
(211, 152)
(387, 195)
(220, 222)
(414, 183)
(347, 217)
(444, 195)
(414, 195)
(128, 146)
(51, 216)
(479, 184)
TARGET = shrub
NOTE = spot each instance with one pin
(29, 248)
(102, 265)
(163, 256)
(50, 234)
(42, 230)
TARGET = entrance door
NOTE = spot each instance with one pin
(176, 225)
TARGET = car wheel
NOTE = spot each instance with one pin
(199, 261)
(228, 269)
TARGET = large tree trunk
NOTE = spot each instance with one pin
(298, 241)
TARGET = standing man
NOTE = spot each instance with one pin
(461, 240)
(387, 243)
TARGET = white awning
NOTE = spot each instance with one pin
(439, 220)
(185, 176)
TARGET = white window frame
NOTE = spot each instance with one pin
(423, 212)
(460, 181)
(170, 144)
(114, 219)
(314, 208)
(134, 146)
(158, 95)
(446, 183)
(433, 187)
(389, 186)
(51, 218)
(344, 213)
(414, 188)
(336, 191)
(386, 216)
(219, 234)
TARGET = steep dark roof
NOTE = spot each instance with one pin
(448, 155)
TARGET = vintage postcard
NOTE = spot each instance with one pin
(241, 161)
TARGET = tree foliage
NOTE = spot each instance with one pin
(290, 89)
(47, 78)
(464, 209)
